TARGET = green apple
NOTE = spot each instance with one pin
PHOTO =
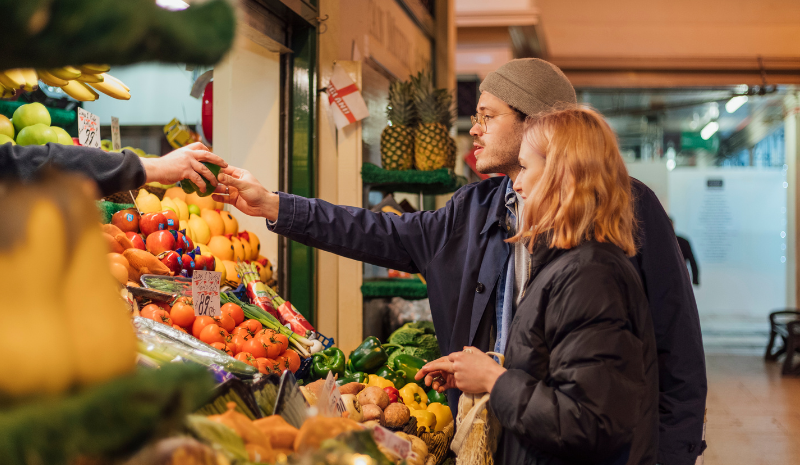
(6, 127)
(194, 209)
(4, 139)
(63, 136)
(30, 114)
(37, 134)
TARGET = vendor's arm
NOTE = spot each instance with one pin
(589, 407)
(405, 243)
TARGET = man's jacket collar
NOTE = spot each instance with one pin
(497, 209)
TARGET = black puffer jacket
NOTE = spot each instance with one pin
(582, 379)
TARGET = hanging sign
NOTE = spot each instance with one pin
(345, 99)
(88, 129)
(205, 292)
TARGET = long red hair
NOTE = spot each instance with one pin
(584, 192)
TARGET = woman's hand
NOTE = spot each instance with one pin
(438, 374)
(474, 372)
(246, 193)
(183, 163)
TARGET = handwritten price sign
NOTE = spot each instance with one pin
(400, 447)
(88, 129)
(332, 405)
(205, 292)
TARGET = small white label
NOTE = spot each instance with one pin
(88, 129)
(332, 405)
(116, 142)
(205, 292)
(389, 440)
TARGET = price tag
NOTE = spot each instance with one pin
(332, 405)
(387, 439)
(116, 142)
(205, 292)
(88, 129)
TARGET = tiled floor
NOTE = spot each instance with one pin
(753, 413)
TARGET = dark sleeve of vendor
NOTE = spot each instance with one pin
(113, 172)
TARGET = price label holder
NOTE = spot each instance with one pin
(332, 404)
(389, 440)
(116, 141)
(88, 129)
(205, 293)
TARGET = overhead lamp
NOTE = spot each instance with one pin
(173, 5)
(710, 129)
(733, 104)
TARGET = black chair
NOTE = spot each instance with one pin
(786, 324)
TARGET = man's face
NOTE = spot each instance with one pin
(497, 149)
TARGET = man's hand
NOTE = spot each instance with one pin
(246, 193)
(183, 163)
(438, 374)
(474, 372)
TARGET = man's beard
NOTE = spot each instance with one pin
(500, 158)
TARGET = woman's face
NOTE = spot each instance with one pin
(531, 169)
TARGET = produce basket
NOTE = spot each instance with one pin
(438, 444)
(232, 390)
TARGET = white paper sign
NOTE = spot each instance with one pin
(332, 404)
(345, 99)
(389, 440)
(116, 142)
(205, 292)
(88, 129)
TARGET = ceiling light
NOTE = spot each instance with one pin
(710, 129)
(671, 164)
(734, 103)
(173, 5)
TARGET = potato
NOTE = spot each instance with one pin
(371, 412)
(351, 388)
(316, 387)
(374, 395)
(396, 415)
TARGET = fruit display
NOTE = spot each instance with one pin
(81, 83)
(30, 125)
(397, 139)
(433, 146)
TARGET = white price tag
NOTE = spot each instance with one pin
(387, 439)
(116, 142)
(88, 129)
(205, 292)
(332, 404)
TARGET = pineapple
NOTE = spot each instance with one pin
(431, 144)
(397, 139)
(446, 114)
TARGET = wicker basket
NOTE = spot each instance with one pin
(438, 443)
(125, 196)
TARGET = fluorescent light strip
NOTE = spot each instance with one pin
(710, 129)
(174, 5)
(733, 104)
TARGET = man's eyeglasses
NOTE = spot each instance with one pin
(483, 120)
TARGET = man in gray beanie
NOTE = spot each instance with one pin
(475, 278)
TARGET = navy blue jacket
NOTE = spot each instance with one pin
(460, 250)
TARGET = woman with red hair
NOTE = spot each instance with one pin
(580, 382)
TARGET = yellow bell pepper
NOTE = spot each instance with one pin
(377, 381)
(425, 419)
(414, 396)
(444, 416)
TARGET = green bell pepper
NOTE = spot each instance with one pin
(369, 356)
(328, 360)
(437, 397)
(190, 187)
(396, 378)
(353, 377)
(408, 366)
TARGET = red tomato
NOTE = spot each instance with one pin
(294, 360)
(200, 323)
(282, 363)
(182, 314)
(273, 349)
(162, 317)
(266, 332)
(164, 306)
(221, 346)
(179, 328)
(281, 339)
(226, 322)
(252, 326)
(241, 331)
(247, 358)
(213, 333)
(231, 344)
(255, 347)
(185, 300)
(148, 310)
(234, 311)
(265, 365)
(239, 341)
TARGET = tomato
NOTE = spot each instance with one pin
(200, 323)
(294, 360)
(226, 322)
(247, 358)
(234, 311)
(239, 341)
(231, 344)
(179, 328)
(241, 331)
(264, 365)
(281, 339)
(182, 314)
(255, 347)
(273, 349)
(148, 310)
(221, 346)
(266, 332)
(282, 363)
(252, 326)
(213, 333)
(164, 306)
(162, 317)
(185, 300)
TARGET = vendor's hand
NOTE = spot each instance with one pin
(438, 374)
(474, 371)
(246, 193)
(183, 163)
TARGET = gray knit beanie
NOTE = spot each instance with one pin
(530, 85)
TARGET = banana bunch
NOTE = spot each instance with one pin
(12, 80)
(81, 83)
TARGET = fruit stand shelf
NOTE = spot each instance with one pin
(58, 117)
(409, 289)
(436, 182)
